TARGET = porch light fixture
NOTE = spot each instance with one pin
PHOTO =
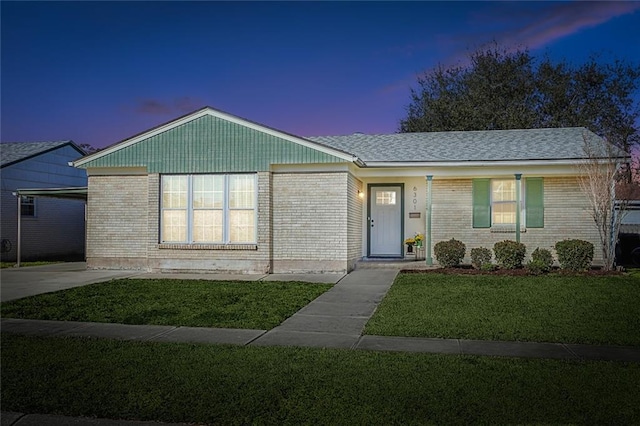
(360, 194)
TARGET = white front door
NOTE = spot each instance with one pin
(385, 221)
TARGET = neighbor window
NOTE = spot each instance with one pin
(27, 206)
(208, 209)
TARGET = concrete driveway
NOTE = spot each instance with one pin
(16, 283)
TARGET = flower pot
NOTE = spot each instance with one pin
(409, 248)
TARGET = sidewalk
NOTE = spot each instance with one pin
(294, 335)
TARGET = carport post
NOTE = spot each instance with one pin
(19, 197)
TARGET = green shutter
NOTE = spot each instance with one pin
(481, 203)
(534, 199)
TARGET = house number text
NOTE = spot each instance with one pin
(415, 198)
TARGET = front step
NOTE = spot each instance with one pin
(411, 264)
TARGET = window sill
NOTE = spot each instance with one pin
(178, 246)
(506, 229)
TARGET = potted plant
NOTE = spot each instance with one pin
(419, 238)
(410, 242)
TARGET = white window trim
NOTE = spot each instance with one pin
(226, 230)
(508, 227)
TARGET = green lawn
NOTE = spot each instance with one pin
(276, 385)
(196, 303)
(568, 309)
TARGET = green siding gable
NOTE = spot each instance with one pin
(208, 145)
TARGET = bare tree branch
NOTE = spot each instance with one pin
(602, 181)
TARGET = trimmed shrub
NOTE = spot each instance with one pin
(490, 267)
(575, 255)
(509, 254)
(537, 267)
(542, 258)
(480, 256)
(449, 253)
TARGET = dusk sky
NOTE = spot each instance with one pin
(99, 72)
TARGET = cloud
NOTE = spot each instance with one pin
(179, 105)
(514, 27)
(566, 19)
(152, 107)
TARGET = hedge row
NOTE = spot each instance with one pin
(575, 255)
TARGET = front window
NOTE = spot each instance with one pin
(208, 209)
(503, 202)
(27, 206)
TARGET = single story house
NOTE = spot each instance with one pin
(51, 228)
(210, 191)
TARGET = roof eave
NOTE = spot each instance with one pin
(484, 163)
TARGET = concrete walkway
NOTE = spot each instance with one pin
(336, 318)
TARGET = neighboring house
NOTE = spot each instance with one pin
(50, 228)
(214, 192)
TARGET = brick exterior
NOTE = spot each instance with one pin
(313, 229)
(565, 216)
(179, 257)
(355, 209)
(307, 222)
(117, 222)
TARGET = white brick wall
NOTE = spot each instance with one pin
(356, 205)
(117, 222)
(312, 229)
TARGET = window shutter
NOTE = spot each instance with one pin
(481, 203)
(534, 199)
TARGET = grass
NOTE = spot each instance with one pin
(4, 265)
(196, 303)
(277, 385)
(568, 309)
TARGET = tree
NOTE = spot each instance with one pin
(510, 90)
(606, 190)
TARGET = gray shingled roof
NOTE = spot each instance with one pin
(13, 152)
(484, 145)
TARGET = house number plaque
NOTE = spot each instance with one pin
(414, 200)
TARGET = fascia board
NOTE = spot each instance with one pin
(519, 163)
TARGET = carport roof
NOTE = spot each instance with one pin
(73, 193)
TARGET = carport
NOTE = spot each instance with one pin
(72, 193)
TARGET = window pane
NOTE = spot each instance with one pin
(241, 191)
(504, 213)
(385, 198)
(242, 226)
(503, 190)
(27, 206)
(208, 191)
(174, 192)
(174, 225)
(207, 226)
